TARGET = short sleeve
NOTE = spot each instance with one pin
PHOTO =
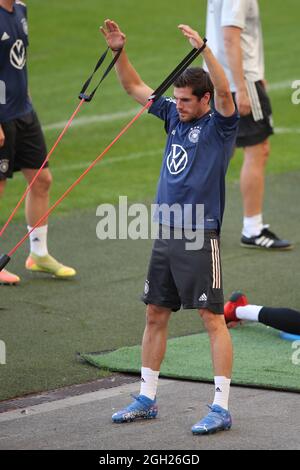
(165, 109)
(234, 13)
(226, 126)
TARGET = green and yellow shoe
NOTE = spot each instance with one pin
(48, 264)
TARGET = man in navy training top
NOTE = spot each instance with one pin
(22, 144)
(199, 145)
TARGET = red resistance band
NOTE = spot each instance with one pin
(4, 259)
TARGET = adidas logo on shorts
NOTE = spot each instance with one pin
(203, 298)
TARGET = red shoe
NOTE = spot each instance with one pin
(237, 299)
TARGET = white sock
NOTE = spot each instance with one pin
(253, 225)
(149, 382)
(38, 240)
(248, 312)
(222, 388)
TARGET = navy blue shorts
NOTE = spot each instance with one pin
(24, 145)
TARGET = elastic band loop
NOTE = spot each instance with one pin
(188, 59)
(82, 94)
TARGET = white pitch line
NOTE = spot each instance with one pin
(79, 122)
(98, 118)
(136, 156)
(279, 85)
(110, 161)
(287, 130)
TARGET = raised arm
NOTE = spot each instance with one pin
(2, 137)
(234, 55)
(127, 75)
(223, 99)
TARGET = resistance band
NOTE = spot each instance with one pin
(5, 258)
(83, 98)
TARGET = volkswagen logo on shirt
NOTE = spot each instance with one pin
(18, 55)
(177, 159)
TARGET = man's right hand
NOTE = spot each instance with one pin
(243, 102)
(2, 137)
(114, 37)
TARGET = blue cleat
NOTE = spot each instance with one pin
(142, 408)
(218, 419)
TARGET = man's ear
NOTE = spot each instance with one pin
(206, 98)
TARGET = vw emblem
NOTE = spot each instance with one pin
(177, 159)
(18, 55)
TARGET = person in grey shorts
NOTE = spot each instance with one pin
(199, 144)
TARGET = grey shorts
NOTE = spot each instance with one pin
(179, 277)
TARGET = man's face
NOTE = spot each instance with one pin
(188, 105)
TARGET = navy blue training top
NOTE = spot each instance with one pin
(14, 99)
(195, 162)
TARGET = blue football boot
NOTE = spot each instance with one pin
(141, 408)
(218, 419)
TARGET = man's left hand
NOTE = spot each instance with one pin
(194, 38)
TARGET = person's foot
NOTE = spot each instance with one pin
(237, 299)
(218, 419)
(8, 279)
(141, 408)
(267, 240)
(48, 264)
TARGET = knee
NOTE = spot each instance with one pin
(256, 156)
(157, 317)
(212, 321)
(42, 184)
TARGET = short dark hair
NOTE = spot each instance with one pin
(196, 78)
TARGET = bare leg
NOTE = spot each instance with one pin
(252, 180)
(155, 336)
(220, 341)
(37, 200)
(221, 352)
(5, 276)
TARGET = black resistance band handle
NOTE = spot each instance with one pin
(188, 59)
(4, 260)
(83, 94)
